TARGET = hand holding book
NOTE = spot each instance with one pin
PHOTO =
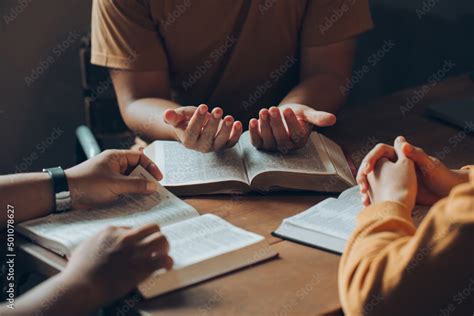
(104, 178)
(202, 246)
(131, 253)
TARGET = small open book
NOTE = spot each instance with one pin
(329, 224)
(319, 166)
(202, 247)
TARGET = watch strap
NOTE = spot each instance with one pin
(62, 196)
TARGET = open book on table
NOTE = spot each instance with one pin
(202, 247)
(329, 224)
(319, 166)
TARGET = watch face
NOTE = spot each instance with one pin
(63, 195)
(63, 201)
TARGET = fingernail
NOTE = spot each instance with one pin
(401, 139)
(274, 113)
(202, 110)
(264, 116)
(151, 186)
(367, 167)
(408, 149)
(228, 122)
(217, 114)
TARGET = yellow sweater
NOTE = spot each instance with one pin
(390, 267)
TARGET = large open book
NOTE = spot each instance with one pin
(202, 247)
(319, 166)
(329, 224)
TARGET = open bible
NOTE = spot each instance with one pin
(319, 166)
(329, 224)
(202, 247)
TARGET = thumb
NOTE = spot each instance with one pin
(399, 145)
(319, 118)
(137, 185)
(173, 117)
(418, 155)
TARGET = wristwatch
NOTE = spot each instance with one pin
(62, 196)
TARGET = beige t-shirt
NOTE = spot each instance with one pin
(189, 37)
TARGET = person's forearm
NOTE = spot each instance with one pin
(146, 118)
(60, 295)
(30, 195)
(320, 92)
(378, 227)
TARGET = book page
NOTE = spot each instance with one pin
(335, 217)
(309, 159)
(351, 195)
(71, 228)
(182, 166)
(204, 237)
(338, 159)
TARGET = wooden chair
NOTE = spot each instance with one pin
(104, 128)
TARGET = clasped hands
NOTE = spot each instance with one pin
(405, 174)
(282, 128)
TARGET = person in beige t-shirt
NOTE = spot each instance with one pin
(200, 72)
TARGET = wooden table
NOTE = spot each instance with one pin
(303, 280)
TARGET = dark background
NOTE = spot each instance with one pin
(37, 120)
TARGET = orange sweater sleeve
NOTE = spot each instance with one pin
(390, 267)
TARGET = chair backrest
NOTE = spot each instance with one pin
(101, 107)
